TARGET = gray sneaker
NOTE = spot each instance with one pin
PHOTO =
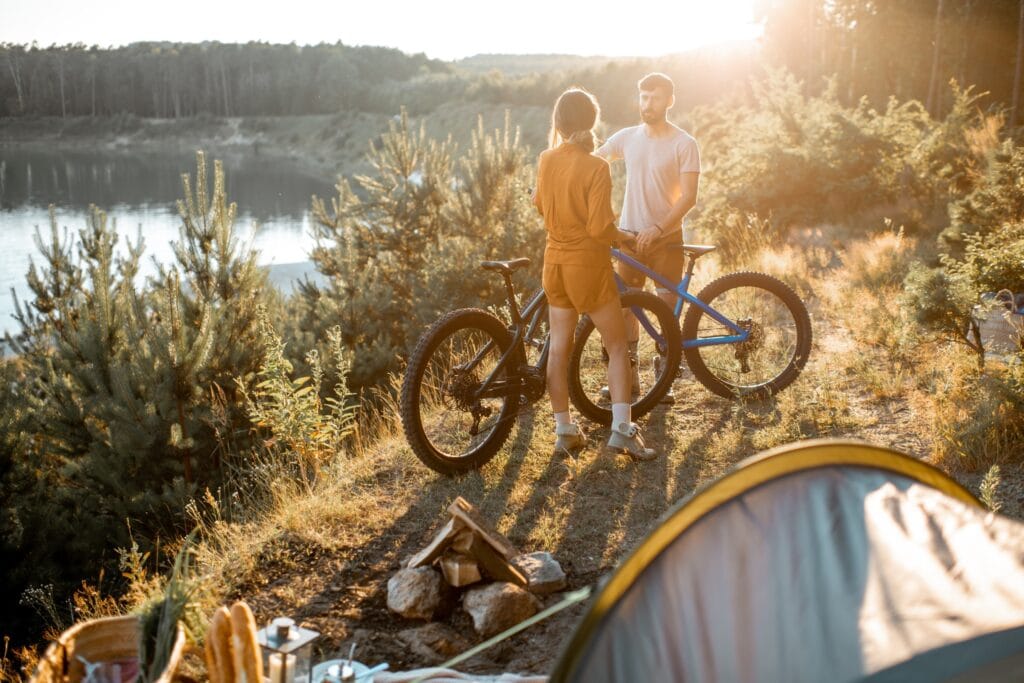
(569, 438)
(626, 437)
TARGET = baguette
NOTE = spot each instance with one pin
(211, 658)
(247, 660)
(218, 648)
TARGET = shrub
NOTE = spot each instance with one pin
(997, 199)
(290, 412)
(799, 160)
(940, 302)
(993, 260)
(978, 418)
(117, 380)
(408, 246)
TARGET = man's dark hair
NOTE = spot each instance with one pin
(656, 80)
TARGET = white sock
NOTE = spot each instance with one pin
(563, 418)
(620, 414)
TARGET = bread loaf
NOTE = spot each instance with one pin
(219, 660)
(247, 661)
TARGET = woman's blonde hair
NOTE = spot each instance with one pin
(573, 119)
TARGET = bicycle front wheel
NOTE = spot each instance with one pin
(777, 347)
(454, 422)
(653, 369)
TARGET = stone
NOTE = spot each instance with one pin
(433, 643)
(542, 571)
(498, 606)
(417, 593)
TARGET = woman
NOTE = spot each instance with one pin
(574, 196)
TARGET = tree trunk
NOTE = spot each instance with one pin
(811, 38)
(965, 39)
(224, 86)
(853, 73)
(186, 452)
(16, 75)
(1020, 65)
(933, 83)
(63, 105)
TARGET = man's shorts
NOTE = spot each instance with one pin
(584, 288)
(665, 261)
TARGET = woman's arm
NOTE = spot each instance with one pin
(601, 223)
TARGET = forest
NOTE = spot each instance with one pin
(907, 49)
(869, 153)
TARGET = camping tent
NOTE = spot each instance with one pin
(820, 561)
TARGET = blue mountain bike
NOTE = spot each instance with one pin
(744, 335)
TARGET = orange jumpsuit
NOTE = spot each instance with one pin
(574, 194)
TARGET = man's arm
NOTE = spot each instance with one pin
(687, 200)
(611, 150)
(688, 183)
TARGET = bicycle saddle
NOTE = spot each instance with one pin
(505, 266)
(697, 250)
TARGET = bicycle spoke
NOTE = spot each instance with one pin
(651, 371)
(776, 329)
(454, 421)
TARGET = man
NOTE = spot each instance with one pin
(662, 174)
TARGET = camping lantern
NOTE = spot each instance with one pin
(287, 651)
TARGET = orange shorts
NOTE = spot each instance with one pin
(584, 288)
(666, 262)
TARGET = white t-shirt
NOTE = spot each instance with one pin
(654, 169)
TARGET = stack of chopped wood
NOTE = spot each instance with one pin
(467, 549)
(502, 585)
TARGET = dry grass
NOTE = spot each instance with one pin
(323, 552)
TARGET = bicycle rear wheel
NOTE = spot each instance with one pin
(656, 364)
(776, 350)
(451, 427)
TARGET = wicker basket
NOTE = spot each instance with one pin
(98, 640)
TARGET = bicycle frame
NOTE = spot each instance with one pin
(682, 294)
(534, 312)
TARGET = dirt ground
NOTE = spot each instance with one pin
(588, 511)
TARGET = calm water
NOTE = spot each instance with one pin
(138, 192)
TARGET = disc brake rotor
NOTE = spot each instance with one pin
(754, 341)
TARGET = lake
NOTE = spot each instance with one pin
(139, 191)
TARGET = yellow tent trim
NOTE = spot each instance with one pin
(749, 474)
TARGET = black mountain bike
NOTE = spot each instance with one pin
(471, 373)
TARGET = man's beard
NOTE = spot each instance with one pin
(651, 116)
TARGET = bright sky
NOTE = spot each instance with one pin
(444, 29)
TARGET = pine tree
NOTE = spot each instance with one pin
(118, 410)
(409, 246)
(372, 250)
